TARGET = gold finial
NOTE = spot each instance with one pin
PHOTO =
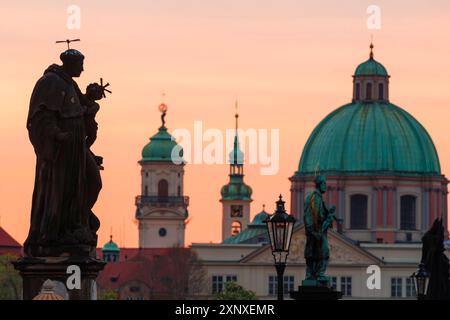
(264, 207)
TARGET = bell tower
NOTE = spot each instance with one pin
(161, 208)
(236, 195)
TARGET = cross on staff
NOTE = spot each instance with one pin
(104, 88)
(68, 42)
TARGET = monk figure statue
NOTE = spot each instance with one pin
(62, 128)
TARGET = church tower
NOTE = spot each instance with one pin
(236, 195)
(162, 207)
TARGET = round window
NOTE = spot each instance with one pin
(162, 232)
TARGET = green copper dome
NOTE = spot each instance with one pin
(160, 147)
(369, 138)
(110, 246)
(371, 68)
(259, 219)
(236, 189)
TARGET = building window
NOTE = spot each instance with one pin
(146, 191)
(358, 91)
(218, 282)
(235, 228)
(408, 212)
(163, 188)
(380, 91)
(369, 91)
(396, 287)
(288, 284)
(410, 288)
(179, 191)
(333, 283)
(346, 286)
(358, 211)
(162, 232)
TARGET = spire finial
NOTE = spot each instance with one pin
(264, 207)
(110, 235)
(236, 115)
(371, 47)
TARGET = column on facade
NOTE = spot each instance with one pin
(390, 206)
(340, 205)
(395, 209)
(425, 209)
(432, 208)
(380, 207)
(375, 206)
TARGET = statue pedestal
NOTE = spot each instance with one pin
(35, 271)
(315, 290)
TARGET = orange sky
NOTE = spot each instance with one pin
(289, 63)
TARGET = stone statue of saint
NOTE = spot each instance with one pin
(62, 128)
(318, 218)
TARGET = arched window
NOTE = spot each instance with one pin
(146, 191)
(380, 91)
(358, 91)
(369, 91)
(358, 211)
(235, 228)
(163, 188)
(408, 212)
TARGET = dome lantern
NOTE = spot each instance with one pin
(371, 81)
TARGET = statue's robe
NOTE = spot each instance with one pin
(67, 178)
(315, 214)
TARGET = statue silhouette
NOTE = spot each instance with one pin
(62, 128)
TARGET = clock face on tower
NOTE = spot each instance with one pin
(236, 211)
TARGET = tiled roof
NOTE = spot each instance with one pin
(149, 266)
(6, 240)
(8, 245)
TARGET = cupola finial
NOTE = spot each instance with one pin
(371, 47)
(236, 114)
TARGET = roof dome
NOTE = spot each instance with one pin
(236, 189)
(368, 138)
(111, 246)
(259, 219)
(160, 147)
(48, 292)
(371, 67)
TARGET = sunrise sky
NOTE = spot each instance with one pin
(288, 62)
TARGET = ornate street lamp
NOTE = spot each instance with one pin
(280, 226)
(421, 278)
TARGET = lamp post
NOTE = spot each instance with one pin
(280, 226)
(421, 278)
